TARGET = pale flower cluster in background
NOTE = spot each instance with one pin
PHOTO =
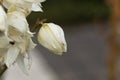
(15, 35)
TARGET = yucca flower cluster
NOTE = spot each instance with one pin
(15, 35)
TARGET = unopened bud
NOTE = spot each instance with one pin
(52, 37)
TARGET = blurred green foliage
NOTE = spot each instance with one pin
(72, 11)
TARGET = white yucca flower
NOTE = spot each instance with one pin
(15, 36)
(18, 31)
(52, 37)
(24, 5)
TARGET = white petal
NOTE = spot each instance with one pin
(42, 0)
(28, 61)
(24, 62)
(14, 34)
(36, 7)
(45, 39)
(2, 19)
(17, 3)
(59, 34)
(21, 64)
(11, 56)
(4, 41)
(17, 20)
(30, 45)
(18, 26)
(26, 5)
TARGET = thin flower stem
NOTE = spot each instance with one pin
(37, 24)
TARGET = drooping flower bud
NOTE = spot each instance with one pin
(52, 37)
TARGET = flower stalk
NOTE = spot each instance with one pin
(38, 24)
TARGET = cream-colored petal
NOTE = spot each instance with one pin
(11, 56)
(24, 62)
(14, 34)
(59, 34)
(18, 21)
(36, 7)
(2, 19)
(21, 64)
(27, 5)
(28, 61)
(30, 45)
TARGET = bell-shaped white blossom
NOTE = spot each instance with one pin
(52, 37)
(18, 31)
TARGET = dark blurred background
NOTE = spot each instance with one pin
(72, 11)
(85, 23)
